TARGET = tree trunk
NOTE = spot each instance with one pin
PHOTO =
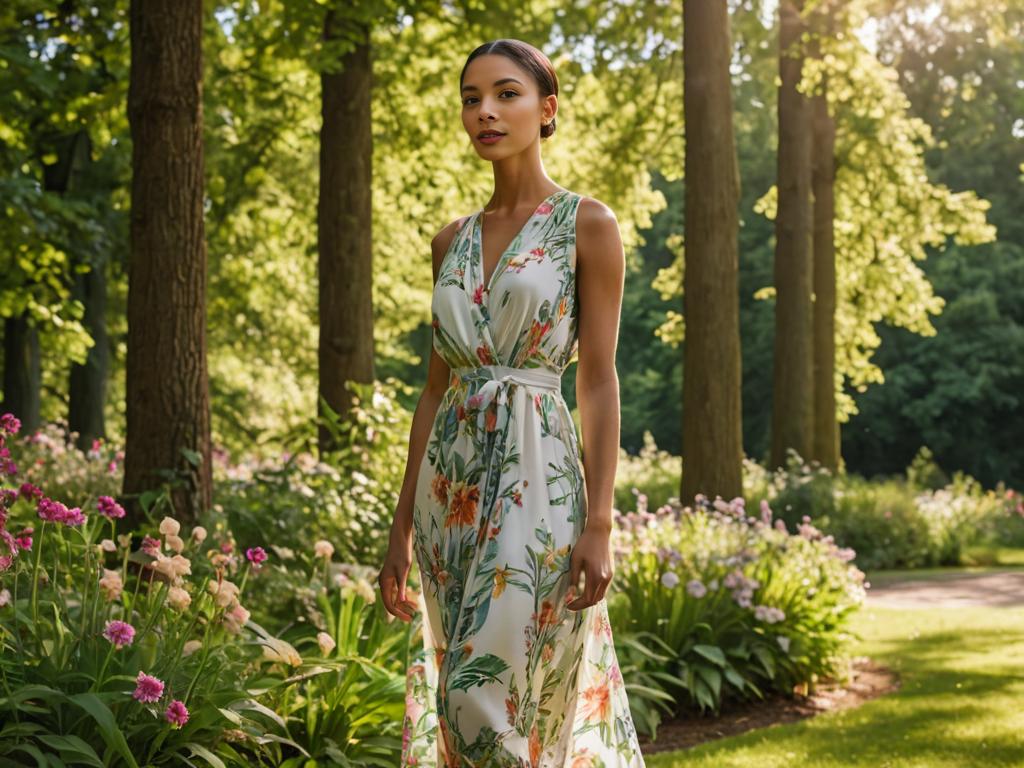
(168, 407)
(344, 226)
(87, 382)
(712, 418)
(22, 372)
(793, 381)
(826, 427)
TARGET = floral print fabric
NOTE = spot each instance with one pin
(506, 675)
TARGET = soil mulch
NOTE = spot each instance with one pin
(868, 680)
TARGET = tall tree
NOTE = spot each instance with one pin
(344, 216)
(711, 420)
(792, 380)
(168, 407)
(825, 448)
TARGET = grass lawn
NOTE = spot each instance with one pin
(960, 704)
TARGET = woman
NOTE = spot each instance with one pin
(517, 666)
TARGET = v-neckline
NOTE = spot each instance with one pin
(487, 282)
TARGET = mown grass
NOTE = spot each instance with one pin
(959, 705)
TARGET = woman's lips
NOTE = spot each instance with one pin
(492, 138)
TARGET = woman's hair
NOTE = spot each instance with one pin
(530, 59)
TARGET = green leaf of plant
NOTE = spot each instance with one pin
(112, 735)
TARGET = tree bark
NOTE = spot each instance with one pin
(344, 225)
(826, 426)
(712, 413)
(792, 381)
(22, 372)
(168, 408)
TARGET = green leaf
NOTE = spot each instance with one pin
(711, 653)
(198, 750)
(108, 725)
(73, 749)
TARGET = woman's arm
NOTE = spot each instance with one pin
(600, 274)
(438, 376)
(398, 560)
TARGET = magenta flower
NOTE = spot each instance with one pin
(120, 633)
(24, 538)
(10, 423)
(147, 689)
(151, 546)
(56, 512)
(7, 497)
(29, 491)
(109, 508)
(177, 713)
(256, 555)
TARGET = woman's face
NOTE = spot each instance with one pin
(499, 95)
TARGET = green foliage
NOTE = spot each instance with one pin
(738, 605)
(347, 497)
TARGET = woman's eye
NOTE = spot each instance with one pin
(469, 99)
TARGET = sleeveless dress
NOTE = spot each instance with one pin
(507, 676)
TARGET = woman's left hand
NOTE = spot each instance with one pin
(592, 556)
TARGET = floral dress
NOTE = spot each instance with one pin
(507, 676)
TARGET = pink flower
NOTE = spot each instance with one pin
(177, 713)
(24, 539)
(147, 689)
(29, 491)
(150, 546)
(256, 555)
(54, 511)
(10, 424)
(109, 508)
(120, 633)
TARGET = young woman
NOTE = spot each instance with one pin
(517, 667)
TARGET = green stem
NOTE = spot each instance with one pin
(35, 584)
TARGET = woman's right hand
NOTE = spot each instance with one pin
(394, 573)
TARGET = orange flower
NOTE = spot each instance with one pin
(546, 617)
(438, 656)
(548, 653)
(500, 577)
(597, 702)
(535, 747)
(463, 505)
(511, 709)
(483, 353)
(563, 306)
(582, 759)
(467, 649)
(491, 419)
(440, 486)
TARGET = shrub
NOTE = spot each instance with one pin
(737, 604)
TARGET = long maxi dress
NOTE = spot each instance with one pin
(507, 676)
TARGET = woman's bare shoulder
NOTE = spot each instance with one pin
(442, 241)
(597, 231)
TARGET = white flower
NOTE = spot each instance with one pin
(5, 597)
(670, 579)
(323, 549)
(169, 526)
(178, 598)
(199, 534)
(191, 647)
(696, 588)
(326, 642)
(783, 642)
(174, 542)
(108, 546)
